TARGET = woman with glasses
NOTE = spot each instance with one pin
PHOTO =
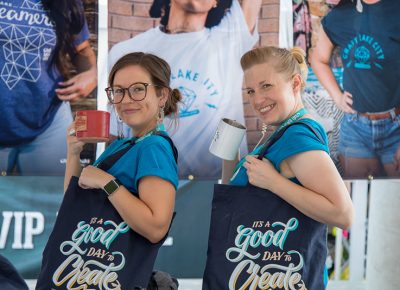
(141, 185)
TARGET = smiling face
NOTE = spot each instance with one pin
(273, 97)
(142, 115)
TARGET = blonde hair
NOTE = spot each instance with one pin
(284, 61)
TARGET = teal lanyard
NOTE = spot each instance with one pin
(296, 116)
(137, 140)
(159, 127)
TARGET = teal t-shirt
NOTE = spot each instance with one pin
(296, 139)
(152, 156)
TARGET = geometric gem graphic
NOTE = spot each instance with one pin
(22, 49)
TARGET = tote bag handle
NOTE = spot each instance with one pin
(108, 162)
(275, 138)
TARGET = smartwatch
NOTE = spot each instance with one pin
(112, 186)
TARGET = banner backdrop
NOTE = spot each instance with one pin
(307, 17)
(322, 107)
(34, 111)
(205, 68)
(28, 209)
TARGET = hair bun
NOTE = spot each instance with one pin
(176, 95)
(299, 54)
(171, 106)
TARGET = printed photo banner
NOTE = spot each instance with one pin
(322, 107)
(307, 16)
(28, 210)
(28, 43)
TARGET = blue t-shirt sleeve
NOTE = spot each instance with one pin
(297, 139)
(84, 33)
(156, 159)
(328, 23)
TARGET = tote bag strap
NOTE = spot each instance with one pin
(109, 161)
(275, 138)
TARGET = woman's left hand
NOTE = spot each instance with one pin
(260, 173)
(93, 177)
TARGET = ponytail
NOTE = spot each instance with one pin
(299, 55)
(171, 106)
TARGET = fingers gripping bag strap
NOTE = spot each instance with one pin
(275, 138)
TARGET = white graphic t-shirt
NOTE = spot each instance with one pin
(206, 69)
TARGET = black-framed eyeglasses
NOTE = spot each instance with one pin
(136, 92)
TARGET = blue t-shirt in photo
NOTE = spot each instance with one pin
(28, 101)
(370, 49)
(152, 156)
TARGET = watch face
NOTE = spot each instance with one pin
(111, 187)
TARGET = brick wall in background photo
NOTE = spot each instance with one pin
(91, 14)
(128, 18)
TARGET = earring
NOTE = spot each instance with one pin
(264, 129)
(120, 127)
(160, 119)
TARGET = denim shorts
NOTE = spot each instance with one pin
(361, 137)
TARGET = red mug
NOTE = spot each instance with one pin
(92, 126)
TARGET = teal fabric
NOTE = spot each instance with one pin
(152, 156)
(297, 139)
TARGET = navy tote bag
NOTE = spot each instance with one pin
(259, 241)
(91, 247)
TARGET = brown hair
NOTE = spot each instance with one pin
(160, 74)
(286, 62)
(69, 18)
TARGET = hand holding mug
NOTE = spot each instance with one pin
(73, 144)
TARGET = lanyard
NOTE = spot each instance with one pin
(159, 127)
(296, 116)
(300, 113)
(137, 140)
